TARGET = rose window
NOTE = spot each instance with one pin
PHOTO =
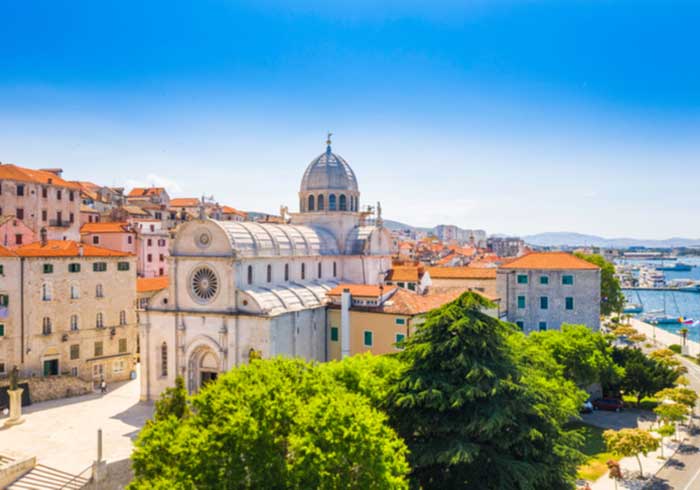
(205, 284)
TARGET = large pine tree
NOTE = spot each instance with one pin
(477, 413)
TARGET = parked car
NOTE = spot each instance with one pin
(587, 407)
(612, 404)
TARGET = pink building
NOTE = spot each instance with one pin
(13, 232)
(152, 248)
(114, 236)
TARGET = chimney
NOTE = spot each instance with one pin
(80, 250)
(345, 302)
(56, 171)
(43, 236)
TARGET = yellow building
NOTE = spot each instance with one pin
(478, 279)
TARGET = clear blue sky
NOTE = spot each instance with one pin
(513, 116)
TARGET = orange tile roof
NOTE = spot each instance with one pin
(6, 252)
(149, 284)
(404, 302)
(549, 260)
(405, 273)
(145, 191)
(461, 273)
(9, 171)
(363, 290)
(230, 210)
(66, 248)
(184, 202)
(105, 227)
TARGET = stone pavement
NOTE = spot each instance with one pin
(63, 433)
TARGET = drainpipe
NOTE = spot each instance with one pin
(345, 301)
(21, 308)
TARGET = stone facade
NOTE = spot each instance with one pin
(42, 389)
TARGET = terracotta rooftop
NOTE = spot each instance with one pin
(230, 210)
(105, 227)
(549, 260)
(6, 252)
(135, 210)
(66, 248)
(146, 191)
(9, 171)
(461, 273)
(405, 273)
(149, 284)
(362, 290)
(184, 202)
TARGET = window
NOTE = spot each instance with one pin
(164, 359)
(400, 321)
(71, 218)
(522, 279)
(335, 270)
(2, 270)
(123, 266)
(99, 293)
(567, 280)
(96, 240)
(521, 302)
(74, 371)
(75, 352)
(59, 194)
(44, 215)
(412, 286)
(149, 258)
(46, 326)
(74, 267)
(303, 271)
(320, 270)
(122, 346)
(74, 323)
(161, 257)
(2, 329)
(44, 192)
(320, 204)
(18, 239)
(4, 300)
(74, 291)
(334, 334)
(19, 213)
(520, 325)
(544, 280)
(286, 272)
(118, 367)
(2, 367)
(368, 338)
(543, 326)
(129, 239)
(99, 348)
(71, 196)
(544, 302)
(149, 242)
(122, 317)
(161, 272)
(97, 370)
(400, 338)
(250, 274)
(99, 321)
(311, 203)
(331, 202)
(569, 303)
(269, 273)
(20, 190)
(46, 291)
(342, 203)
(99, 266)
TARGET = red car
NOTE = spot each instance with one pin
(612, 404)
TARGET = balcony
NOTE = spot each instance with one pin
(55, 223)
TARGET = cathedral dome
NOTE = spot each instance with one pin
(329, 171)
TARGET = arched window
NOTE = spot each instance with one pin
(303, 271)
(269, 273)
(46, 326)
(99, 321)
(98, 291)
(250, 274)
(46, 291)
(335, 270)
(74, 323)
(331, 202)
(320, 270)
(311, 203)
(122, 317)
(342, 203)
(286, 272)
(321, 203)
(164, 359)
(352, 203)
(74, 291)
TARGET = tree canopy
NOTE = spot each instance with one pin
(643, 376)
(611, 298)
(631, 442)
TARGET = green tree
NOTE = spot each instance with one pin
(284, 424)
(585, 355)
(666, 430)
(672, 413)
(474, 413)
(611, 298)
(631, 442)
(173, 402)
(643, 376)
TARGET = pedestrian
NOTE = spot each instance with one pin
(103, 386)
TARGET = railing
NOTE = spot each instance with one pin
(59, 223)
(75, 478)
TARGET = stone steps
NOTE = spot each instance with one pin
(47, 478)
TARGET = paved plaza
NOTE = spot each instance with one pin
(63, 433)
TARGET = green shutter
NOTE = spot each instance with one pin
(368, 338)
(544, 280)
(334, 334)
(520, 325)
(400, 337)
(2, 330)
(522, 279)
(567, 280)
(123, 266)
(400, 321)
(544, 302)
(521, 302)
(543, 326)
(569, 303)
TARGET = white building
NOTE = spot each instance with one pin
(242, 288)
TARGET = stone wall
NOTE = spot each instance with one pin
(54, 387)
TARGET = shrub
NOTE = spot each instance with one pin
(675, 348)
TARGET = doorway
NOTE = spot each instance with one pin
(207, 377)
(51, 367)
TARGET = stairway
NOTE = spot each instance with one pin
(46, 478)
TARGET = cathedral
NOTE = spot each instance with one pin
(242, 289)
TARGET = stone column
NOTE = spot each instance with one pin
(15, 407)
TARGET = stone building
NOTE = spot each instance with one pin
(13, 232)
(238, 288)
(540, 291)
(41, 199)
(481, 280)
(69, 308)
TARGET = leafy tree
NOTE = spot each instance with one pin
(643, 376)
(672, 413)
(611, 298)
(474, 413)
(625, 331)
(665, 356)
(173, 402)
(585, 355)
(666, 430)
(631, 442)
(284, 424)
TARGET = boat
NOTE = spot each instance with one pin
(677, 267)
(633, 308)
(651, 278)
(664, 319)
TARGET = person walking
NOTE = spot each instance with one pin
(103, 386)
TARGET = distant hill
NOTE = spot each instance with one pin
(559, 239)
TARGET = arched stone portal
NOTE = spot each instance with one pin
(203, 366)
